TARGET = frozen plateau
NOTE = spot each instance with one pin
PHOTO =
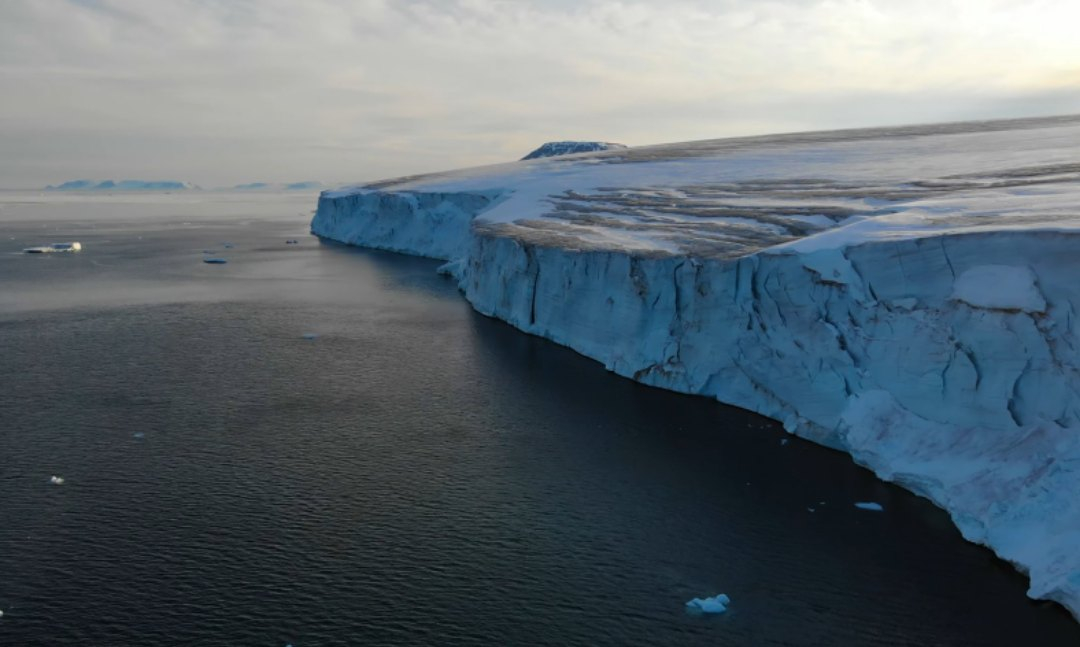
(907, 295)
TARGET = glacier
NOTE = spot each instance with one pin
(907, 295)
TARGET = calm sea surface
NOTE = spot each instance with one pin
(319, 445)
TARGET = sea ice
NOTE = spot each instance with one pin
(56, 480)
(310, 336)
(869, 505)
(716, 604)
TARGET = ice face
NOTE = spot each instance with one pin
(906, 295)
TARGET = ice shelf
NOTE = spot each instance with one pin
(907, 295)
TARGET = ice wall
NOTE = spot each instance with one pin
(869, 349)
(432, 224)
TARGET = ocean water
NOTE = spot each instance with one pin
(319, 445)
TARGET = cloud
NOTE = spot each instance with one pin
(222, 91)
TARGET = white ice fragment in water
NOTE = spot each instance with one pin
(55, 247)
(869, 505)
(811, 509)
(716, 604)
(56, 480)
(783, 441)
(227, 245)
(310, 336)
(215, 261)
(138, 434)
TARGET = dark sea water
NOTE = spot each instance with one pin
(414, 474)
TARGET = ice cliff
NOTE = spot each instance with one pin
(907, 295)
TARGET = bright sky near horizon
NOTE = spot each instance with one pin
(220, 92)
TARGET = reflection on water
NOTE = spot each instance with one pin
(413, 474)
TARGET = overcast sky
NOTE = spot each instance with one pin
(220, 92)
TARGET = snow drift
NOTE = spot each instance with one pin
(906, 295)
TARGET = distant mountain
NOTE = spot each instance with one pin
(122, 185)
(551, 149)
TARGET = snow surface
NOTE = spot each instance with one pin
(905, 294)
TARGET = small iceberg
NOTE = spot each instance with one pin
(138, 434)
(55, 247)
(215, 260)
(869, 505)
(310, 336)
(716, 604)
(227, 245)
(56, 480)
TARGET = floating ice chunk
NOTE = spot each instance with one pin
(783, 441)
(716, 604)
(292, 241)
(55, 247)
(215, 260)
(869, 505)
(227, 245)
(310, 336)
(56, 480)
(811, 509)
(138, 434)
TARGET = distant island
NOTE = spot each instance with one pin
(122, 185)
(554, 149)
(274, 186)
